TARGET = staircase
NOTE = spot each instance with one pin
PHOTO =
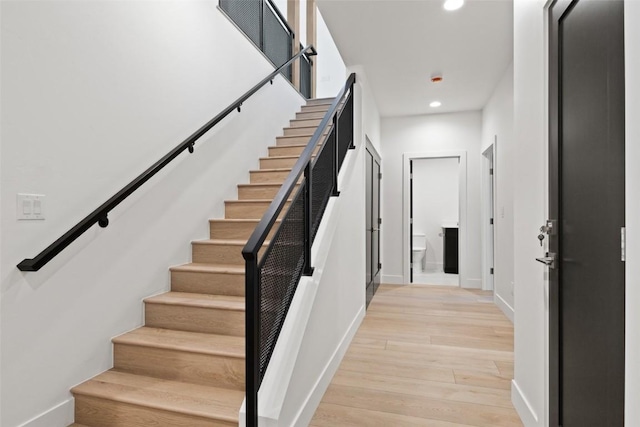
(186, 366)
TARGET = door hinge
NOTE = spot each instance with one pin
(491, 171)
(379, 266)
(379, 221)
(491, 270)
(491, 221)
(623, 238)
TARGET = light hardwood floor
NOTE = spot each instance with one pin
(432, 356)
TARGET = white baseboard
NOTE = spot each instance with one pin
(523, 407)
(60, 415)
(504, 306)
(392, 279)
(308, 409)
(473, 284)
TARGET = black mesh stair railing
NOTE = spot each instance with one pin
(272, 276)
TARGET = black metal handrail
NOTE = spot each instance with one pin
(100, 215)
(304, 165)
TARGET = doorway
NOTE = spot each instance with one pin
(586, 208)
(488, 215)
(434, 237)
(373, 221)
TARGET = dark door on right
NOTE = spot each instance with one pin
(586, 197)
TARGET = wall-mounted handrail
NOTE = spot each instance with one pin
(255, 359)
(282, 19)
(100, 215)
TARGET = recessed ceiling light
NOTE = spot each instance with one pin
(453, 4)
(435, 104)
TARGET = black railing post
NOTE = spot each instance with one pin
(308, 220)
(334, 163)
(252, 337)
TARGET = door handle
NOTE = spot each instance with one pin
(549, 260)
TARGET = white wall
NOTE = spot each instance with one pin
(331, 72)
(429, 133)
(92, 94)
(530, 193)
(632, 63)
(435, 201)
(497, 125)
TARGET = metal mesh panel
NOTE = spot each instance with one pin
(280, 271)
(277, 41)
(345, 127)
(305, 77)
(247, 15)
(322, 182)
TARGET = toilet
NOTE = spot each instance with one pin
(419, 250)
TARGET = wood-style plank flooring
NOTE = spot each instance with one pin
(425, 356)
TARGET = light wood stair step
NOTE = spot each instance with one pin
(115, 399)
(275, 162)
(210, 314)
(310, 115)
(320, 101)
(300, 131)
(289, 150)
(78, 425)
(237, 228)
(269, 176)
(315, 108)
(305, 122)
(197, 358)
(249, 209)
(210, 279)
(258, 191)
(219, 251)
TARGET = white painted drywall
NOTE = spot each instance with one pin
(430, 133)
(331, 72)
(497, 125)
(435, 201)
(632, 82)
(530, 194)
(92, 94)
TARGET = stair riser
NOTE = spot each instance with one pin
(251, 210)
(315, 108)
(208, 283)
(266, 192)
(320, 101)
(296, 131)
(276, 163)
(98, 412)
(195, 368)
(233, 230)
(311, 115)
(195, 319)
(297, 140)
(284, 150)
(217, 254)
(305, 123)
(264, 177)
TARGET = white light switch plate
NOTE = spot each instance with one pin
(30, 206)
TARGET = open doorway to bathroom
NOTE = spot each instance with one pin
(436, 183)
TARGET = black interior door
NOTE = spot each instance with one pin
(587, 198)
(372, 223)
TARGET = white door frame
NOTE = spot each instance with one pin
(489, 157)
(462, 206)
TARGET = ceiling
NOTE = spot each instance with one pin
(400, 43)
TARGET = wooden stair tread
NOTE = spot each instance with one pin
(195, 267)
(192, 342)
(272, 170)
(165, 395)
(225, 302)
(230, 242)
(279, 157)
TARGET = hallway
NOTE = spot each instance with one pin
(425, 356)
